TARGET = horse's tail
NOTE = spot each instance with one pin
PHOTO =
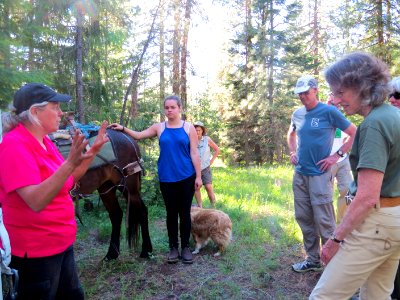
(128, 157)
(133, 215)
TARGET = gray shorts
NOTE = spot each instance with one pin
(206, 176)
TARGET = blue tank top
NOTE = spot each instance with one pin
(175, 163)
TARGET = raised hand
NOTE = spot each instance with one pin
(100, 140)
(76, 154)
(79, 144)
(116, 126)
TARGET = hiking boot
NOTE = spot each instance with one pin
(306, 266)
(173, 256)
(187, 257)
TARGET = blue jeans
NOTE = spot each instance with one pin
(47, 278)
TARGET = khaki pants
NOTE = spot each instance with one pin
(314, 211)
(369, 258)
(342, 173)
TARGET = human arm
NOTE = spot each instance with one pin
(348, 141)
(368, 194)
(150, 132)
(194, 154)
(332, 159)
(38, 196)
(215, 147)
(89, 156)
(292, 144)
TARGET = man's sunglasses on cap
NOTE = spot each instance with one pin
(395, 95)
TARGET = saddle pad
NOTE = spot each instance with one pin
(104, 157)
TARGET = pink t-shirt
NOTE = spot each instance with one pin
(24, 162)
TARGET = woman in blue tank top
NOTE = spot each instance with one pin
(178, 171)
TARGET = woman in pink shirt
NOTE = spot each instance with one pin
(34, 192)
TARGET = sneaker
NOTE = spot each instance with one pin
(187, 257)
(306, 266)
(173, 256)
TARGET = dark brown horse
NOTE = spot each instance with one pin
(121, 174)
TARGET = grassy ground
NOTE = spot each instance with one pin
(257, 264)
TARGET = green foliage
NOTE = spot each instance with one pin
(265, 56)
(151, 193)
(205, 109)
(247, 112)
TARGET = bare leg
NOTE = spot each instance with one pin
(210, 193)
(197, 195)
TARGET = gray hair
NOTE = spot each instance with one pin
(10, 120)
(363, 73)
(174, 97)
(395, 84)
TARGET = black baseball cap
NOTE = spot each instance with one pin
(32, 93)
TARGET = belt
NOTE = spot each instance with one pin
(389, 202)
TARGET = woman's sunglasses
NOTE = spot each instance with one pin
(395, 95)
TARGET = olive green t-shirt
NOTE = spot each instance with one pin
(377, 146)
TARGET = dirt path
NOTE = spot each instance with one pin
(226, 277)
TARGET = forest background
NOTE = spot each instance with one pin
(234, 63)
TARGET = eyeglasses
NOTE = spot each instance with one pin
(395, 95)
(338, 94)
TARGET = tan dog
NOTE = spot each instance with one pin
(210, 224)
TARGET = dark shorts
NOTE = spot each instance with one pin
(51, 277)
(206, 176)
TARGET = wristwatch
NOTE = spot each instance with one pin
(333, 238)
(340, 153)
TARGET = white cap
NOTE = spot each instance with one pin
(304, 83)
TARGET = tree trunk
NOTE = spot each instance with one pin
(134, 101)
(270, 155)
(184, 55)
(5, 48)
(380, 29)
(316, 37)
(176, 49)
(247, 150)
(31, 17)
(162, 64)
(78, 72)
(346, 31)
(388, 31)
